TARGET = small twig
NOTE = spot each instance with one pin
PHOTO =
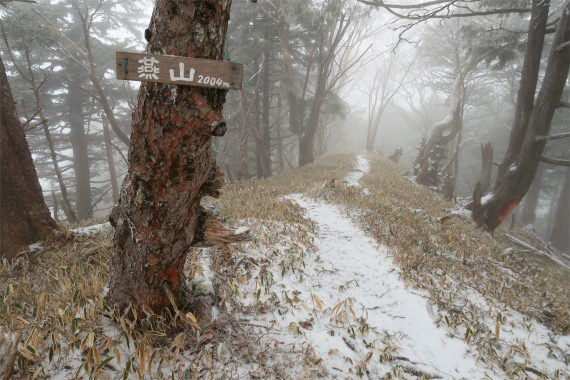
(535, 371)
(255, 325)
(356, 282)
(350, 345)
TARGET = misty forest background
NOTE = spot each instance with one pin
(385, 82)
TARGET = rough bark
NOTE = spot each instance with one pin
(512, 184)
(559, 237)
(25, 216)
(158, 216)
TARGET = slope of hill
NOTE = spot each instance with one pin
(354, 274)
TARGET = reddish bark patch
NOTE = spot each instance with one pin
(507, 210)
(171, 274)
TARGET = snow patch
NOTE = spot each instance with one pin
(363, 166)
(486, 199)
(241, 230)
(103, 227)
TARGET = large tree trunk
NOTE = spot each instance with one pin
(528, 213)
(279, 139)
(486, 167)
(515, 176)
(283, 27)
(256, 131)
(25, 216)
(529, 79)
(159, 217)
(78, 140)
(559, 237)
(266, 127)
(307, 140)
(110, 158)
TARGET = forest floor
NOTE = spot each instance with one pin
(356, 272)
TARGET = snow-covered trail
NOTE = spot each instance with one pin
(343, 309)
(373, 282)
(362, 166)
(397, 316)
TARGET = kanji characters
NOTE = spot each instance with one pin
(148, 70)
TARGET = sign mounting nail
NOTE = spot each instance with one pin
(179, 70)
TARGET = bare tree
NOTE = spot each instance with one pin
(388, 80)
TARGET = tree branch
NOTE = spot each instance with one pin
(555, 161)
(553, 137)
(55, 29)
(434, 13)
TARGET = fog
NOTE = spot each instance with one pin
(331, 76)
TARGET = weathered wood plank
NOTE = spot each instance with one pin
(179, 70)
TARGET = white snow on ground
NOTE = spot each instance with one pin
(94, 228)
(348, 257)
(349, 307)
(363, 166)
(368, 310)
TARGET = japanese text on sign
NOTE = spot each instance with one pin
(179, 70)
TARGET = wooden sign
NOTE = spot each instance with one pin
(179, 70)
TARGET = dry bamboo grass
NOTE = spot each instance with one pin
(443, 257)
(56, 299)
